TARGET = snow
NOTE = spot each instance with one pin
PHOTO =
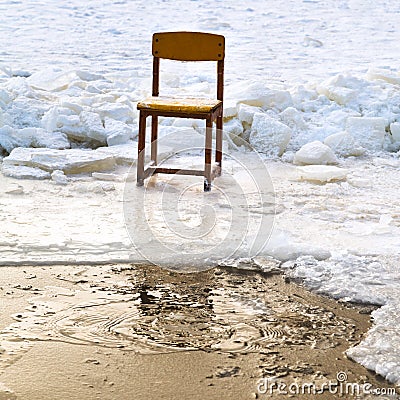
(297, 73)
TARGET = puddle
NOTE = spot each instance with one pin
(149, 310)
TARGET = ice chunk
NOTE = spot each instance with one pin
(309, 41)
(9, 140)
(184, 122)
(321, 173)
(117, 132)
(230, 109)
(118, 111)
(4, 97)
(315, 153)
(337, 90)
(72, 105)
(258, 95)
(281, 246)
(233, 127)
(22, 172)
(268, 135)
(383, 74)
(293, 118)
(395, 131)
(42, 138)
(124, 154)
(246, 113)
(70, 161)
(344, 144)
(93, 126)
(49, 119)
(51, 79)
(369, 132)
(31, 137)
(88, 76)
(59, 177)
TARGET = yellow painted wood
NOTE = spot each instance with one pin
(184, 105)
(189, 46)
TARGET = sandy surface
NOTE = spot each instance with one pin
(140, 332)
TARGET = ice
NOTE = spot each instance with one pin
(246, 113)
(233, 127)
(344, 145)
(70, 161)
(230, 108)
(337, 90)
(258, 95)
(380, 350)
(117, 132)
(293, 118)
(93, 126)
(315, 153)
(282, 246)
(321, 173)
(268, 135)
(374, 73)
(22, 172)
(395, 131)
(125, 154)
(118, 111)
(368, 132)
(51, 79)
(59, 177)
(31, 137)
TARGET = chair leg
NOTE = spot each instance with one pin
(208, 151)
(141, 149)
(218, 145)
(154, 137)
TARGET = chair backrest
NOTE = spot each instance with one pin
(189, 46)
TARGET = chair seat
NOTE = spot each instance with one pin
(179, 105)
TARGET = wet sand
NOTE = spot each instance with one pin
(140, 332)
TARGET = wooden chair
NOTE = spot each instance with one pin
(183, 46)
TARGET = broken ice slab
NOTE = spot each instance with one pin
(11, 138)
(38, 163)
(70, 161)
(321, 173)
(23, 172)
